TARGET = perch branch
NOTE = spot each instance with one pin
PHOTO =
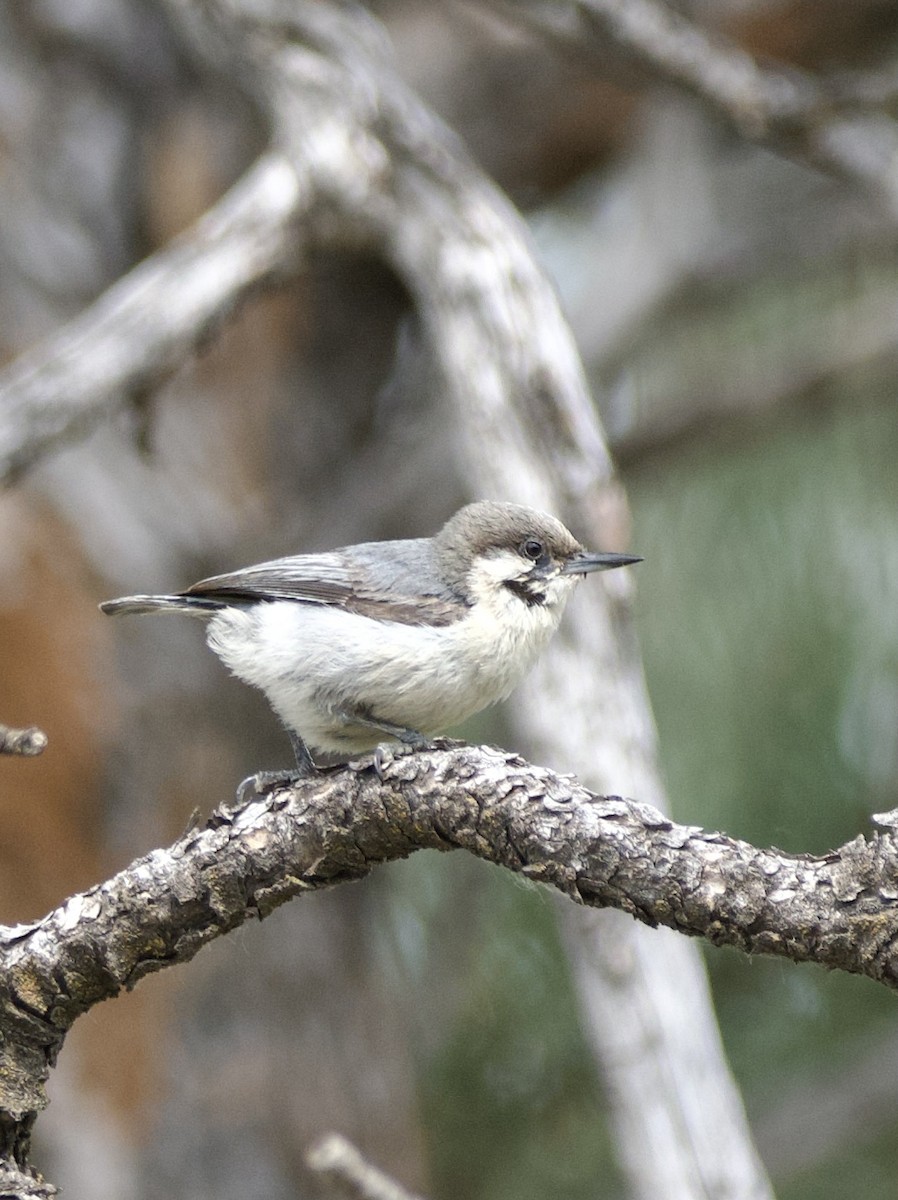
(838, 909)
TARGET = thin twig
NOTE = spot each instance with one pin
(25, 742)
(350, 1174)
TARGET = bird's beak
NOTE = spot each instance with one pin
(584, 561)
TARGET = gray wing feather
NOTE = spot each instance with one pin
(318, 578)
(387, 581)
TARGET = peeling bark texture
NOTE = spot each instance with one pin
(838, 909)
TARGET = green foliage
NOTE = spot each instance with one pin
(766, 619)
(767, 613)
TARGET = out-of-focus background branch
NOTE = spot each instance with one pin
(28, 742)
(734, 308)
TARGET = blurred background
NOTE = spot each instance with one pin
(737, 315)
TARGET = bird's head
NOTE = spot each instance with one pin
(490, 547)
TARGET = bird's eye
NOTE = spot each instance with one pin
(532, 548)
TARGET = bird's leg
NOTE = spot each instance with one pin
(361, 716)
(264, 781)
(305, 764)
(408, 737)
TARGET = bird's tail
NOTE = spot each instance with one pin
(194, 605)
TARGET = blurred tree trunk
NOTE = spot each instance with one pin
(417, 358)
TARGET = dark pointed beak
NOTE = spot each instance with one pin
(584, 562)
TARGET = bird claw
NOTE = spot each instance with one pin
(264, 782)
(408, 742)
(413, 740)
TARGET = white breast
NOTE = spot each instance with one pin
(313, 661)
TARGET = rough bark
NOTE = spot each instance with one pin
(838, 910)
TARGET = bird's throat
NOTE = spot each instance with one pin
(531, 591)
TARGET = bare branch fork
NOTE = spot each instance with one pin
(840, 909)
(147, 324)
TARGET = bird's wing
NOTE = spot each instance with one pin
(329, 579)
(317, 578)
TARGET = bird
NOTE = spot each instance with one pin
(390, 641)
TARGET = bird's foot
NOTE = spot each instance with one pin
(411, 739)
(446, 743)
(383, 756)
(264, 782)
(410, 742)
(268, 781)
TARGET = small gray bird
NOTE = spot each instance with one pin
(391, 640)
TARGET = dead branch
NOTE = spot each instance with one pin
(25, 742)
(349, 1174)
(364, 163)
(838, 909)
(151, 321)
(839, 126)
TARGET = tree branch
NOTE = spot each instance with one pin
(25, 742)
(836, 126)
(374, 167)
(150, 322)
(349, 1174)
(838, 909)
